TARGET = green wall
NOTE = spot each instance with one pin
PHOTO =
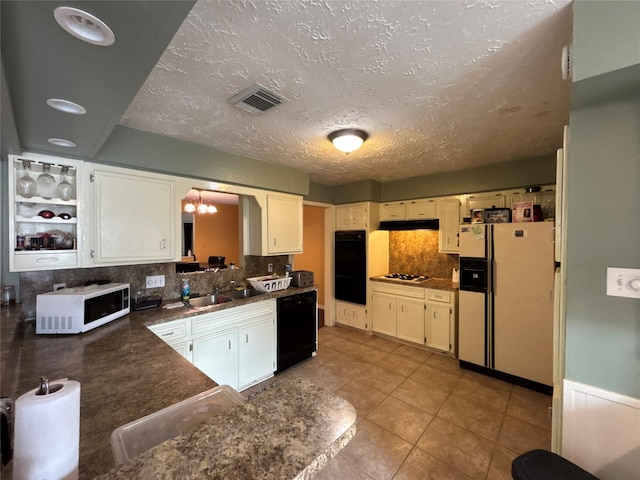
(603, 333)
(606, 36)
(603, 224)
(514, 174)
(366, 190)
(150, 151)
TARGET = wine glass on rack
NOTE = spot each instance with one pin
(65, 189)
(46, 182)
(26, 186)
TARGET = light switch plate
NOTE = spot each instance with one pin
(623, 282)
(155, 281)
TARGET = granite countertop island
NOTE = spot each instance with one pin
(126, 372)
(287, 431)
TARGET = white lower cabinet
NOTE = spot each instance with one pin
(415, 314)
(351, 315)
(410, 314)
(437, 327)
(216, 355)
(440, 321)
(235, 347)
(176, 335)
(383, 313)
(398, 311)
(257, 352)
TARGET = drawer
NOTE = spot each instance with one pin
(177, 330)
(44, 260)
(394, 289)
(439, 296)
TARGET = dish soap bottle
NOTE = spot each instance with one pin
(186, 289)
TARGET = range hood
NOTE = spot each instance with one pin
(394, 225)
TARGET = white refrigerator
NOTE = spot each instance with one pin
(506, 299)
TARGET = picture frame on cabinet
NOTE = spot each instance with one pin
(522, 212)
(497, 215)
(477, 215)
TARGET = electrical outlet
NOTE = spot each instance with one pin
(270, 267)
(59, 286)
(155, 281)
(623, 282)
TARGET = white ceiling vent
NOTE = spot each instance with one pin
(256, 99)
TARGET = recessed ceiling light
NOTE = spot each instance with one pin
(66, 106)
(84, 26)
(61, 142)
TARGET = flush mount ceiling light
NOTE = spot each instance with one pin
(84, 26)
(66, 106)
(348, 140)
(61, 142)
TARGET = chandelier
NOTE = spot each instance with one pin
(201, 206)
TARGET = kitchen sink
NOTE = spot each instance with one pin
(246, 293)
(208, 300)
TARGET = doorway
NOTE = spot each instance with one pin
(317, 255)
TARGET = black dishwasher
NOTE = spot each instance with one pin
(297, 328)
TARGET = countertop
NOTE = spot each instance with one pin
(125, 371)
(435, 283)
(286, 431)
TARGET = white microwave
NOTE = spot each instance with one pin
(80, 309)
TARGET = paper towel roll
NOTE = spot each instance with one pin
(47, 433)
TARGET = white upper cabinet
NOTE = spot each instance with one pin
(449, 216)
(355, 216)
(421, 209)
(485, 200)
(135, 217)
(272, 224)
(45, 212)
(393, 211)
(409, 210)
(284, 224)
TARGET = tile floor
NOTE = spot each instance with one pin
(419, 415)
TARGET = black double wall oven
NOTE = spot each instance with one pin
(351, 266)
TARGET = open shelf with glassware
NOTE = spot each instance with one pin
(45, 212)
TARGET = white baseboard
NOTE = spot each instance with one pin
(601, 431)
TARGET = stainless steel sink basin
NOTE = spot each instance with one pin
(209, 300)
(246, 293)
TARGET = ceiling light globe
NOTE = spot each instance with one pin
(189, 208)
(203, 208)
(211, 209)
(348, 140)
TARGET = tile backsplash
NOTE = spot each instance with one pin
(34, 283)
(416, 252)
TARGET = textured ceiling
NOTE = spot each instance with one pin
(439, 86)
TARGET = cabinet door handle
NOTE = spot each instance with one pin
(93, 253)
(168, 334)
(163, 244)
(191, 346)
(229, 345)
(246, 338)
(402, 308)
(389, 305)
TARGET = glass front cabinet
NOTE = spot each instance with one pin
(44, 212)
